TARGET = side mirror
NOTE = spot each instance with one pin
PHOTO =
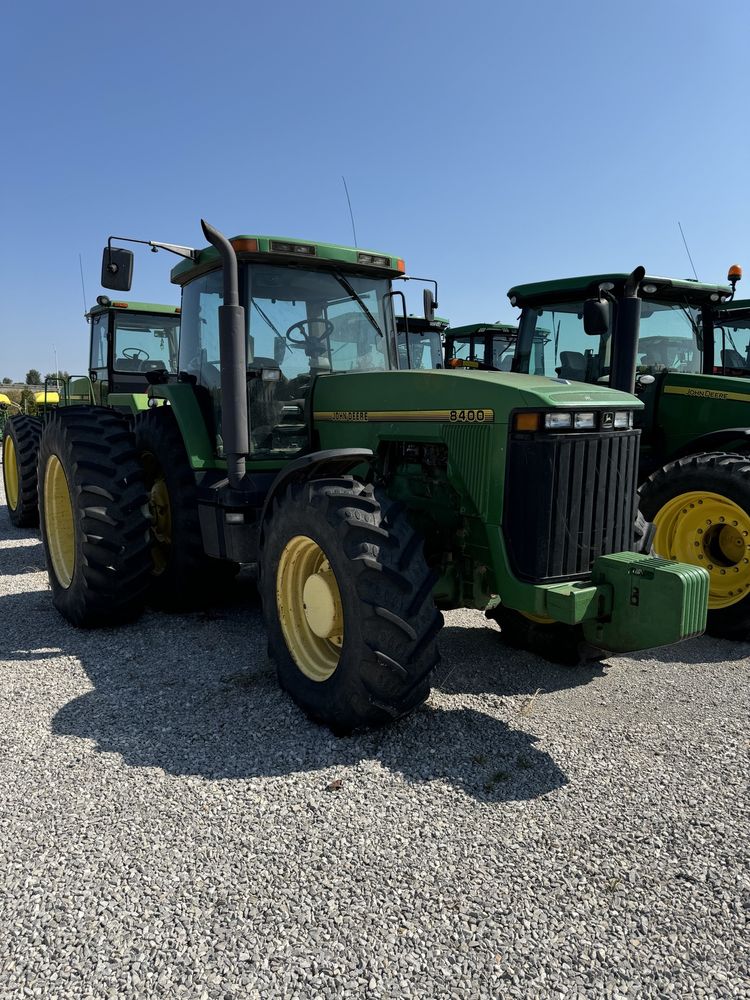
(429, 304)
(117, 269)
(596, 317)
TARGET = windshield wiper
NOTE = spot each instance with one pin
(345, 283)
(274, 329)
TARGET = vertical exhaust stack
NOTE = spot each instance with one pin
(625, 340)
(234, 425)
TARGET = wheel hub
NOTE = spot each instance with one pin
(322, 604)
(309, 605)
(709, 530)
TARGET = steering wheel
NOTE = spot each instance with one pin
(307, 339)
(134, 353)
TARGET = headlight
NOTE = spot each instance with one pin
(584, 421)
(556, 421)
(623, 419)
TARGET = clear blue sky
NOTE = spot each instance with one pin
(487, 143)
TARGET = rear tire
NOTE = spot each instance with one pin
(20, 455)
(375, 648)
(701, 508)
(182, 576)
(92, 504)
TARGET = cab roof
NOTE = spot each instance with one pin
(587, 286)
(147, 307)
(283, 249)
(418, 324)
(737, 305)
(474, 328)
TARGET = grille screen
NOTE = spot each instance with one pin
(569, 498)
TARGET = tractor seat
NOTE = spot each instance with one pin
(573, 366)
(733, 359)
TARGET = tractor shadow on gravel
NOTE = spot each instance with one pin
(20, 559)
(196, 695)
(477, 661)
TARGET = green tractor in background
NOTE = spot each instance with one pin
(365, 496)
(483, 346)
(420, 341)
(130, 343)
(691, 375)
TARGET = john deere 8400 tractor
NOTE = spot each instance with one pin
(367, 497)
(129, 343)
(691, 375)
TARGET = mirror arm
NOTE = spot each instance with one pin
(189, 252)
(429, 281)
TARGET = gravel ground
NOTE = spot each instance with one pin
(172, 826)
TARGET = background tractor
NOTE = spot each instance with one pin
(129, 343)
(420, 341)
(367, 497)
(486, 346)
(690, 374)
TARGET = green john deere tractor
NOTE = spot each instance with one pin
(366, 497)
(130, 343)
(694, 469)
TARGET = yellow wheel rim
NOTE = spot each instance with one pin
(709, 530)
(58, 522)
(10, 472)
(309, 607)
(160, 510)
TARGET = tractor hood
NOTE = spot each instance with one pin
(450, 396)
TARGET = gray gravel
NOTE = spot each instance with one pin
(172, 826)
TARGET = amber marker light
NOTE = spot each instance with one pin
(245, 246)
(121, 305)
(401, 266)
(527, 421)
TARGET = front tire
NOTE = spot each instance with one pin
(20, 454)
(347, 599)
(92, 504)
(700, 506)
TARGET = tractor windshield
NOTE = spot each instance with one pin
(299, 320)
(732, 338)
(668, 341)
(306, 321)
(145, 342)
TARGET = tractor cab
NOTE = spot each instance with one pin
(131, 343)
(732, 338)
(420, 341)
(487, 346)
(310, 310)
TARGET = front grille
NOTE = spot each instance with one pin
(568, 499)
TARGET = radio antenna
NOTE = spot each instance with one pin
(83, 287)
(351, 214)
(687, 251)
